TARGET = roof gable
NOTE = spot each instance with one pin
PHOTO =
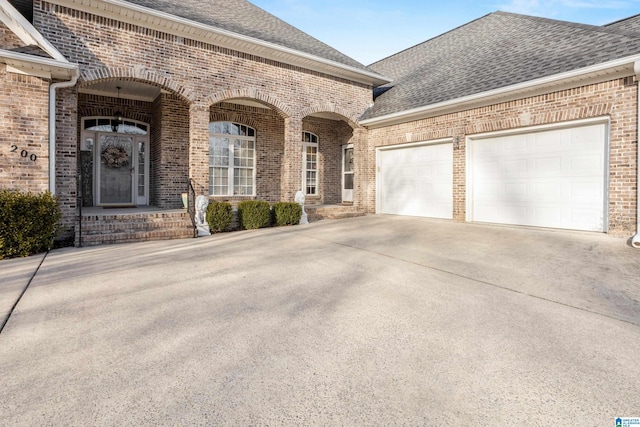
(496, 51)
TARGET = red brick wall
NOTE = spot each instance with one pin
(170, 148)
(616, 99)
(24, 132)
(8, 40)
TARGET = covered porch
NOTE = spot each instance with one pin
(142, 146)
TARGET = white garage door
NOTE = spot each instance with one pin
(416, 181)
(554, 178)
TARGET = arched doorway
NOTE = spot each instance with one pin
(115, 161)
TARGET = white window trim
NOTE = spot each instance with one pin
(304, 164)
(231, 167)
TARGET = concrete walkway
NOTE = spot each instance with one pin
(364, 321)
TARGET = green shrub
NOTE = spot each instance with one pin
(28, 223)
(219, 216)
(286, 213)
(254, 214)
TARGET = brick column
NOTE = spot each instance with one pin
(292, 161)
(363, 173)
(66, 157)
(459, 178)
(199, 147)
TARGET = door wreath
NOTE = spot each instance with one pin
(115, 156)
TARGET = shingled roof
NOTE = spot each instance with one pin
(496, 51)
(631, 23)
(244, 18)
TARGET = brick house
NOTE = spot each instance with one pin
(148, 96)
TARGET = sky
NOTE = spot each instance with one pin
(370, 30)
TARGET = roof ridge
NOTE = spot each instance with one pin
(598, 28)
(433, 38)
(589, 27)
(621, 20)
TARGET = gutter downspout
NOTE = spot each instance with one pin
(52, 126)
(635, 240)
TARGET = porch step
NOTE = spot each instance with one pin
(319, 212)
(106, 228)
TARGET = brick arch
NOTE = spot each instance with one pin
(108, 112)
(350, 117)
(249, 93)
(138, 74)
(233, 117)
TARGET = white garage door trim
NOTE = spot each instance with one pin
(471, 179)
(442, 192)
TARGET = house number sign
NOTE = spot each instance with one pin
(23, 153)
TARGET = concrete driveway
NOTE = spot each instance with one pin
(364, 321)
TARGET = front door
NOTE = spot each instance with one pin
(121, 169)
(115, 166)
(115, 162)
(347, 173)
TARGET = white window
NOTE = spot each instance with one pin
(232, 159)
(310, 163)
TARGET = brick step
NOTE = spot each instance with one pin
(98, 227)
(146, 217)
(137, 236)
(105, 228)
(332, 212)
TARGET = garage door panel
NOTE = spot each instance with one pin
(416, 181)
(586, 164)
(557, 179)
(544, 166)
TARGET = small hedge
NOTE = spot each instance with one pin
(254, 214)
(286, 213)
(28, 223)
(219, 216)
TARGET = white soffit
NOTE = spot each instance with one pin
(23, 63)
(165, 22)
(584, 76)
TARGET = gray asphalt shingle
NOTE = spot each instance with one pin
(244, 18)
(495, 51)
(631, 23)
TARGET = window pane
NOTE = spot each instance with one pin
(348, 160)
(219, 181)
(231, 157)
(218, 151)
(242, 182)
(348, 181)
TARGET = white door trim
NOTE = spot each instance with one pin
(347, 195)
(142, 200)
